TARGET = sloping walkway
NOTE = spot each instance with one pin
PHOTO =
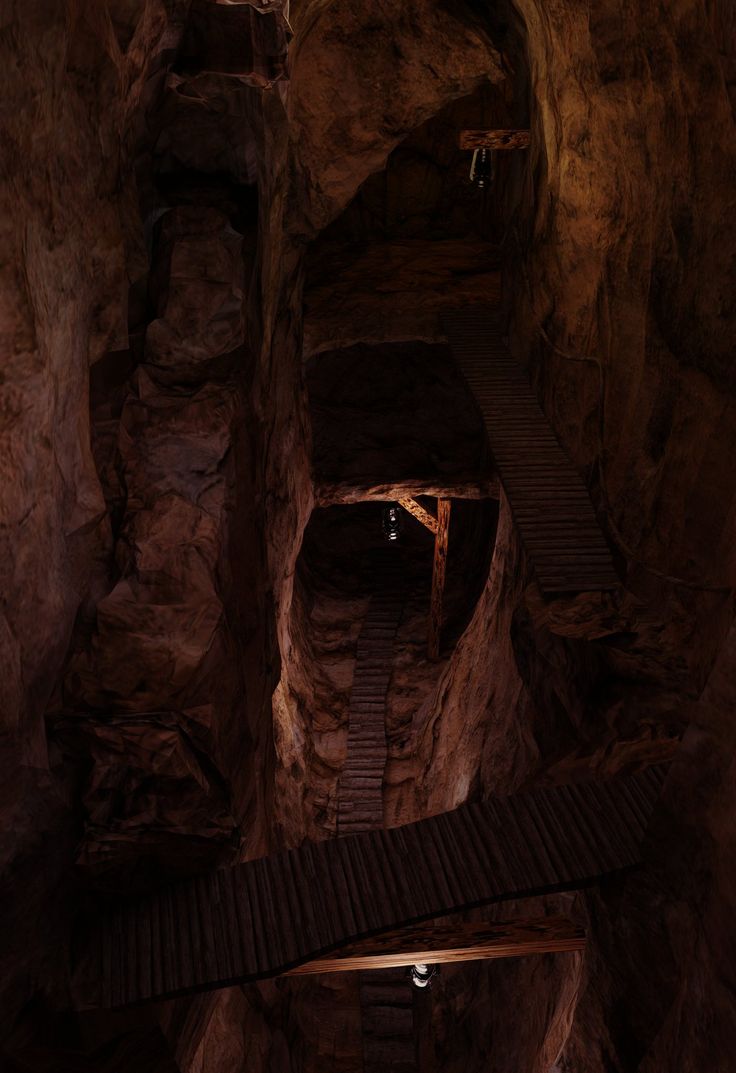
(258, 919)
(360, 791)
(548, 499)
(386, 1000)
(387, 1015)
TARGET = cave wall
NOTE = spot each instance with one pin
(137, 633)
(620, 308)
(72, 245)
(158, 683)
(658, 983)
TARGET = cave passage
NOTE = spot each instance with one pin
(284, 319)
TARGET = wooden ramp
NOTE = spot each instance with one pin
(261, 918)
(360, 792)
(387, 1018)
(549, 501)
(386, 1000)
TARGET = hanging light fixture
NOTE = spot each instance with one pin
(392, 523)
(481, 168)
(421, 975)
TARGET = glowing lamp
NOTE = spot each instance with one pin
(421, 975)
(481, 168)
(392, 523)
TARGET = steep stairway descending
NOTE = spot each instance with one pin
(387, 1015)
(548, 499)
(360, 792)
(386, 1000)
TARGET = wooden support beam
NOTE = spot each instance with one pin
(328, 494)
(438, 576)
(494, 139)
(420, 513)
(430, 944)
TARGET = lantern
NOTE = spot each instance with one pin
(392, 523)
(481, 168)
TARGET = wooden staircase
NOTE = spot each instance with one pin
(549, 502)
(386, 1000)
(360, 792)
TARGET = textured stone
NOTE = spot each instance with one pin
(154, 804)
(395, 290)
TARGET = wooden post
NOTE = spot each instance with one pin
(431, 944)
(438, 576)
(420, 513)
(494, 139)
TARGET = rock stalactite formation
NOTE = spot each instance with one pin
(231, 234)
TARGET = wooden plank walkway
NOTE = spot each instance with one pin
(549, 502)
(360, 791)
(261, 918)
(387, 1015)
(386, 1000)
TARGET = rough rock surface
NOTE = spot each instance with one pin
(674, 917)
(163, 639)
(396, 415)
(414, 279)
(72, 244)
(349, 107)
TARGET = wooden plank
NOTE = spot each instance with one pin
(549, 502)
(360, 788)
(501, 849)
(438, 577)
(494, 139)
(436, 944)
(420, 513)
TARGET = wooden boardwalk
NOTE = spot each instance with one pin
(387, 1016)
(548, 499)
(258, 919)
(360, 791)
(386, 1000)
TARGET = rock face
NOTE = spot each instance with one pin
(383, 414)
(135, 610)
(71, 245)
(222, 280)
(162, 645)
(349, 107)
(674, 917)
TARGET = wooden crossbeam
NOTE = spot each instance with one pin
(431, 944)
(420, 513)
(438, 576)
(494, 139)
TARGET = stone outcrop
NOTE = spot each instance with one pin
(160, 657)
